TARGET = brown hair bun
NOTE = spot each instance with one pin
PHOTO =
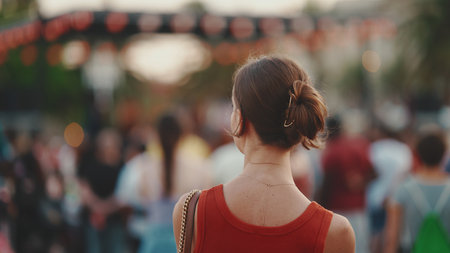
(276, 96)
(307, 114)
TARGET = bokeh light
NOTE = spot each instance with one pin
(31, 32)
(28, 55)
(74, 134)
(3, 56)
(53, 54)
(9, 39)
(116, 22)
(272, 26)
(182, 23)
(82, 20)
(166, 59)
(213, 25)
(18, 36)
(75, 53)
(371, 61)
(242, 28)
(149, 23)
(226, 53)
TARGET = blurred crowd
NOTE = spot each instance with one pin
(116, 191)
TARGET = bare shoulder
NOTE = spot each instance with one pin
(177, 216)
(341, 237)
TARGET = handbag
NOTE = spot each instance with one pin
(187, 221)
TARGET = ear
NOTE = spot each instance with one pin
(237, 123)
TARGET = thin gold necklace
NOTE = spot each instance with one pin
(267, 184)
(262, 163)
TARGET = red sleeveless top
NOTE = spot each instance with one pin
(218, 230)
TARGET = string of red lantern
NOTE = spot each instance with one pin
(313, 35)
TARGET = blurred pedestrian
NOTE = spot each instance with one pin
(175, 171)
(428, 190)
(27, 196)
(392, 160)
(5, 206)
(347, 172)
(6, 191)
(103, 216)
(262, 210)
(54, 227)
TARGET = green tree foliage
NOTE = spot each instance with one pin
(41, 87)
(424, 36)
(15, 10)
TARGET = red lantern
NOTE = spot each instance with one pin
(82, 20)
(242, 28)
(212, 25)
(182, 23)
(149, 23)
(116, 22)
(272, 26)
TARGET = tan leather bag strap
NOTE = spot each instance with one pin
(187, 222)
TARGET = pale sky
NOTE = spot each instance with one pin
(251, 7)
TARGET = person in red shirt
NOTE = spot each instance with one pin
(275, 108)
(347, 171)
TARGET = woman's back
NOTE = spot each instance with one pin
(219, 229)
(230, 222)
(260, 204)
